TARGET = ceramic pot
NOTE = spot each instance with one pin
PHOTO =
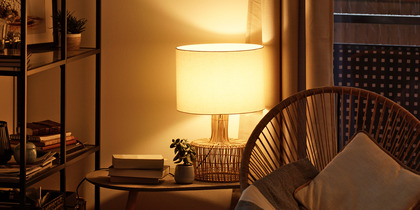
(184, 174)
(73, 41)
(30, 153)
(5, 150)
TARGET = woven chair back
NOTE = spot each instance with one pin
(318, 123)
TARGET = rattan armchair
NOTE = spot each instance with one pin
(318, 123)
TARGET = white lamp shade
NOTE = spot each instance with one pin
(219, 78)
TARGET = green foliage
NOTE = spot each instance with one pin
(74, 25)
(183, 150)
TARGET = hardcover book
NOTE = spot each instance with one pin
(40, 128)
(133, 180)
(44, 143)
(132, 161)
(38, 138)
(139, 173)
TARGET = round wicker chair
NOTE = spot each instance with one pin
(318, 123)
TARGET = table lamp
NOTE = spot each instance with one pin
(219, 79)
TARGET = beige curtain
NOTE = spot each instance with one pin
(296, 35)
(298, 40)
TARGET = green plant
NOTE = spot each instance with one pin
(183, 150)
(74, 25)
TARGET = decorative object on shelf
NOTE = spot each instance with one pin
(39, 23)
(219, 79)
(184, 152)
(75, 27)
(8, 15)
(5, 150)
(30, 153)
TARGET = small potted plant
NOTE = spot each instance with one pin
(75, 27)
(184, 157)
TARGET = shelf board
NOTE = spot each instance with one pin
(71, 159)
(40, 60)
(50, 59)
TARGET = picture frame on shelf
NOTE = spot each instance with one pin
(40, 22)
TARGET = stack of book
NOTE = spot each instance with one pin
(137, 169)
(44, 134)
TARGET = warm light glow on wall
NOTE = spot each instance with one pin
(219, 78)
(216, 16)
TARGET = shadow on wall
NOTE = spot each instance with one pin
(170, 200)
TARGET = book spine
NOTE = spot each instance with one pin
(43, 143)
(137, 163)
(52, 146)
(139, 173)
(38, 138)
(133, 180)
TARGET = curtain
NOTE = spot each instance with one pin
(298, 37)
(298, 40)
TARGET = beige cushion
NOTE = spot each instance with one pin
(362, 176)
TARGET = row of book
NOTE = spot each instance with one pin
(45, 135)
(137, 169)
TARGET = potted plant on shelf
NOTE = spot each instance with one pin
(184, 157)
(75, 27)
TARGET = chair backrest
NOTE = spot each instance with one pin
(318, 123)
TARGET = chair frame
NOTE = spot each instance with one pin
(318, 123)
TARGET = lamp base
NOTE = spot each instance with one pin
(218, 162)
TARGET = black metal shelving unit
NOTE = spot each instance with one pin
(50, 57)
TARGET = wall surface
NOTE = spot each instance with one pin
(138, 84)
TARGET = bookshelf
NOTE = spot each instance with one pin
(29, 60)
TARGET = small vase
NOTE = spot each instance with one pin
(184, 174)
(73, 41)
(5, 150)
(30, 153)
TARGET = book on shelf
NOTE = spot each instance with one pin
(44, 143)
(139, 173)
(133, 180)
(134, 161)
(71, 150)
(57, 145)
(41, 128)
(33, 138)
(11, 171)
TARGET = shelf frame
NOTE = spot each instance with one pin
(22, 63)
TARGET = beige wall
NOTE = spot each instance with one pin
(138, 105)
(138, 89)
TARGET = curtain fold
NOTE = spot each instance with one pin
(298, 51)
(303, 38)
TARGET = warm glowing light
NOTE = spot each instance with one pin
(219, 78)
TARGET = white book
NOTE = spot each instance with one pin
(133, 161)
(139, 173)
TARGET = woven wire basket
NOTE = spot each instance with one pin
(218, 162)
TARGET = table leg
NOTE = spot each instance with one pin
(132, 199)
(236, 194)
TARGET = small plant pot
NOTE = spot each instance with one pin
(184, 174)
(73, 41)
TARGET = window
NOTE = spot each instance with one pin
(377, 47)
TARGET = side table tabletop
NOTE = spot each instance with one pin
(100, 178)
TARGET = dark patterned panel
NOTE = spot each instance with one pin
(392, 71)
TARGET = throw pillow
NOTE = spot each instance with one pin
(362, 176)
(276, 189)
